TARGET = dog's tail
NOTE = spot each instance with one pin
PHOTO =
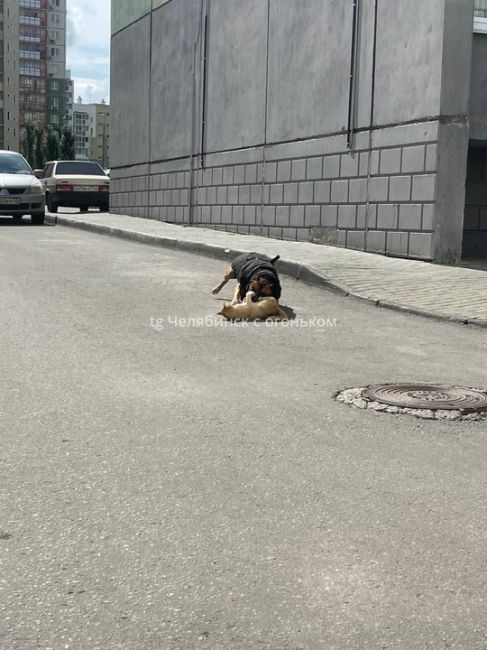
(274, 259)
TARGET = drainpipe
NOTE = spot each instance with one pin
(197, 44)
(205, 75)
(372, 100)
(353, 68)
(261, 225)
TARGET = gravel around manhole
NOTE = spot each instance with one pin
(357, 397)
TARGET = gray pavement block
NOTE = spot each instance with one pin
(322, 192)
(379, 187)
(420, 245)
(276, 193)
(400, 188)
(410, 216)
(356, 239)
(390, 161)
(428, 216)
(305, 192)
(387, 216)
(314, 168)
(290, 193)
(228, 175)
(376, 241)
(312, 216)
(284, 170)
(347, 216)
(423, 188)
(339, 191)
(298, 170)
(349, 165)
(250, 173)
(270, 172)
(357, 190)
(331, 167)
(431, 163)
(296, 218)
(282, 215)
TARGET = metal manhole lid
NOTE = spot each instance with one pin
(424, 396)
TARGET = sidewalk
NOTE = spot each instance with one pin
(458, 294)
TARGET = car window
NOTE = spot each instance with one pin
(48, 171)
(83, 168)
(11, 163)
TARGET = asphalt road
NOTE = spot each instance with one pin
(173, 487)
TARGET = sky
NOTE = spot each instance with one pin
(88, 48)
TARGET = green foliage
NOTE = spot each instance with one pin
(67, 144)
(52, 143)
(28, 144)
(39, 148)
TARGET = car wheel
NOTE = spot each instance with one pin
(52, 206)
(17, 217)
(37, 218)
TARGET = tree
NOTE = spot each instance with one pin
(67, 144)
(39, 148)
(28, 144)
(52, 143)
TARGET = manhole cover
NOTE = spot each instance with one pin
(421, 400)
(421, 396)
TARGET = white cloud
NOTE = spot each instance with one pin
(88, 48)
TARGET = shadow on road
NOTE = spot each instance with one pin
(22, 223)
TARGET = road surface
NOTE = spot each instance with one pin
(168, 485)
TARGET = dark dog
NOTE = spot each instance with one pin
(254, 272)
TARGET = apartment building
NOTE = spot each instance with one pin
(91, 129)
(346, 122)
(36, 88)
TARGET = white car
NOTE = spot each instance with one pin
(79, 184)
(20, 191)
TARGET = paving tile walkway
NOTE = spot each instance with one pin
(458, 293)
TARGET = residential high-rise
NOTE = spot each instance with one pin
(35, 85)
(91, 129)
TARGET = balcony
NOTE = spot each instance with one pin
(480, 17)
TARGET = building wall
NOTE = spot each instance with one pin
(11, 123)
(275, 155)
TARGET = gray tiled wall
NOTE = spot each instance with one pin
(308, 191)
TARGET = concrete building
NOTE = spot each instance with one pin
(36, 86)
(91, 128)
(347, 122)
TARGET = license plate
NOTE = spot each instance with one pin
(84, 188)
(9, 201)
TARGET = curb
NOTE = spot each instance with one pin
(290, 268)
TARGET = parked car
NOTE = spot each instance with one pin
(76, 184)
(20, 191)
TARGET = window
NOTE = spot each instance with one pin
(30, 69)
(55, 103)
(30, 20)
(54, 51)
(86, 169)
(55, 19)
(54, 119)
(54, 84)
(30, 54)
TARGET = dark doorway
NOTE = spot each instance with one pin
(475, 219)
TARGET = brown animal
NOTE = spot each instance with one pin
(249, 310)
(254, 272)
